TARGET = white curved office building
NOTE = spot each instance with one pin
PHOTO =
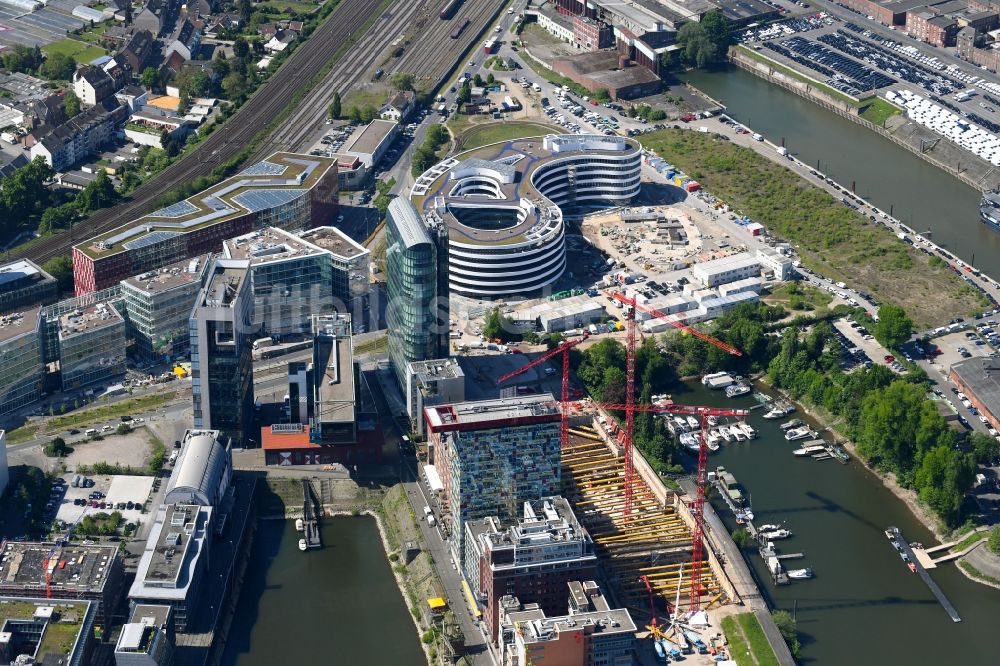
(502, 205)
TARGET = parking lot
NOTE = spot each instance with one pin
(861, 348)
(107, 494)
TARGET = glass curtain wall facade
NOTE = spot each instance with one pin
(21, 368)
(412, 274)
(287, 293)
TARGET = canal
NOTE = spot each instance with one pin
(863, 606)
(337, 605)
(921, 195)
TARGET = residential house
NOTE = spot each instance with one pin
(133, 97)
(280, 41)
(267, 30)
(223, 23)
(118, 69)
(156, 17)
(200, 8)
(92, 85)
(138, 50)
(65, 145)
(399, 106)
(186, 41)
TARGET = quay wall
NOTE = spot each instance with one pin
(981, 176)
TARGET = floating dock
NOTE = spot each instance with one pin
(310, 516)
(903, 546)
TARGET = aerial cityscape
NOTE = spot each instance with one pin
(499, 332)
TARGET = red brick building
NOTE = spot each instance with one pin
(591, 35)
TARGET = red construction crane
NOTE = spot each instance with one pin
(563, 349)
(630, 373)
(698, 506)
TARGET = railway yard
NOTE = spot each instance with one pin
(355, 66)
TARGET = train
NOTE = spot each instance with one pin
(449, 9)
(459, 28)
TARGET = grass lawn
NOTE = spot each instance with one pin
(109, 411)
(830, 238)
(372, 95)
(969, 539)
(23, 434)
(289, 6)
(536, 34)
(739, 651)
(795, 74)
(879, 110)
(493, 132)
(81, 51)
(976, 573)
(797, 296)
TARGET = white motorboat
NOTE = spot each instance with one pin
(797, 433)
(693, 423)
(712, 421)
(713, 437)
(736, 431)
(744, 515)
(724, 433)
(712, 446)
(747, 430)
(800, 574)
(779, 533)
(737, 390)
(299, 525)
(768, 528)
(681, 423)
(809, 450)
(779, 410)
(794, 423)
(302, 544)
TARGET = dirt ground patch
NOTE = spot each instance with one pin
(132, 450)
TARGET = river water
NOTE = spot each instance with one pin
(920, 194)
(864, 606)
(335, 605)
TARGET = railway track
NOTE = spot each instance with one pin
(308, 115)
(432, 55)
(429, 61)
(227, 141)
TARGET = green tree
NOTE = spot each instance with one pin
(355, 115)
(100, 193)
(383, 198)
(464, 94)
(893, 327)
(240, 48)
(335, 106)
(58, 66)
(245, 9)
(789, 631)
(57, 217)
(941, 481)
(497, 326)
(149, 77)
(61, 268)
(234, 86)
(705, 43)
(369, 113)
(21, 58)
(477, 80)
(985, 448)
(402, 81)
(56, 448)
(71, 104)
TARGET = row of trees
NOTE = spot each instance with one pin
(31, 60)
(601, 369)
(896, 428)
(425, 156)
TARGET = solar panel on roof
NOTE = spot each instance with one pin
(176, 210)
(263, 199)
(264, 169)
(150, 239)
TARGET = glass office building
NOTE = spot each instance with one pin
(417, 312)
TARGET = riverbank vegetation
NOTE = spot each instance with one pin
(748, 645)
(831, 238)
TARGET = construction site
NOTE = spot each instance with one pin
(651, 541)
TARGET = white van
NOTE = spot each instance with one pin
(90, 432)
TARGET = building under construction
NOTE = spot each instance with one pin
(654, 540)
(51, 571)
